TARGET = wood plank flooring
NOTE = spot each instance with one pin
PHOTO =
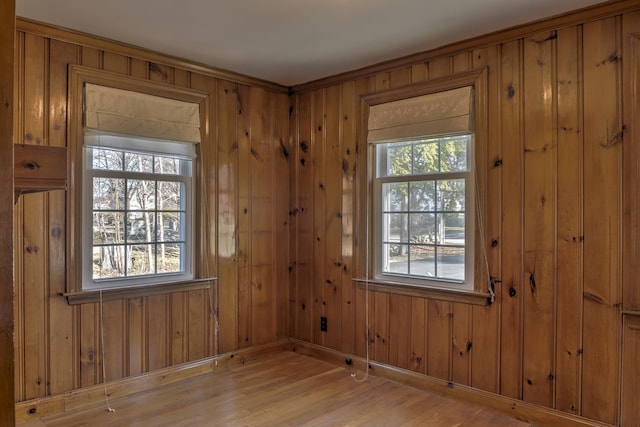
(283, 389)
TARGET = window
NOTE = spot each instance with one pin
(137, 211)
(135, 224)
(424, 203)
(422, 170)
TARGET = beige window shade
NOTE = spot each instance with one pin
(421, 116)
(132, 113)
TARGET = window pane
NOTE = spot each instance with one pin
(106, 159)
(141, 260)
(422, 196)
(422, 228)
(141, 194)
(169, 227)
(136, 162)
(396, 258)
(170, 258)
(395, 196)
(395, 228)
(167, 165)
(423, 261)
(398, 159)
(451, 195)
(108, 193)
(108, 227)
(451, 263)
(425, 157)
(451, 229)
(140, 227)
(169, 195)
(453, 154)
(108, 262)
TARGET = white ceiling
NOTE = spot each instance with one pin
(291, 41)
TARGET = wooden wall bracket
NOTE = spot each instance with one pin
(39, 168)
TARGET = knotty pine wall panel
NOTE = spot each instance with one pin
(552, 182)
(58, 346)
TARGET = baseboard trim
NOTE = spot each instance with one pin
(94, 395)
(528, 412)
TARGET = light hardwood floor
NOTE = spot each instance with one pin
(283, 389)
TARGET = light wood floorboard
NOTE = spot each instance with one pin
(283, 389)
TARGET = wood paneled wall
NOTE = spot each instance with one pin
(561, 204)
(245, 164)
(7, 37)
(289, 235)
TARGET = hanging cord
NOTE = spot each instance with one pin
(104, 369)
(366, 305)
(366, 298)
(483, 241)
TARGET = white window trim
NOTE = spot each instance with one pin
(88, 283)
(470, 223)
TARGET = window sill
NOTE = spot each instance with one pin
(442, 294)
(93, 296)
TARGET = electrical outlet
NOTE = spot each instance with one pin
(323, 324)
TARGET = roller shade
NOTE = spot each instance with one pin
(421, 116)
(132, 113)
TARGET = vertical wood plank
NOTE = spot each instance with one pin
(400, 77)
(630, 412)
(631, 161)
(318, 142)
(485, 341)
(303, 213)
(7, 70)
(419, 355)
(138, 68)
(540, 174)
(61, 331)
(115, 63)
(197, 330)
(137, 337)
(439, 343)
(461, 344)
(282, 155)
(35, 215)
(400, 329)
(602, 161)
(114, 340)
(348, 173)
(262, 244)
(333, 218)
(177, 339)
(157, 318)
(569, 251)
(228, 172)
(244, 221)
(18, 301)
(511, 291)
(160, 72)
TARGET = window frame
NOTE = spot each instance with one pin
(78, 77)
(478, 292)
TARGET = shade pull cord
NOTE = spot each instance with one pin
(104, 369)
(483, 242)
